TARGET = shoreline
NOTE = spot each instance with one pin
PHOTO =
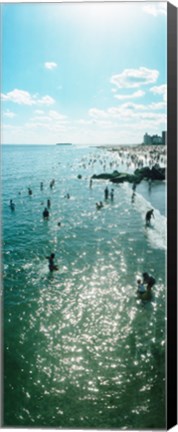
(130, 147)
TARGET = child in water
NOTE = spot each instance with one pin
(52, 266)
(141, 289)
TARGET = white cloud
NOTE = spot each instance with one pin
(160, 90)
(55, 115)
(22, 97)
(121, 125)
(132, 78)
(130, 113)
(46, 100)
(115, 125)
(50, 65)
(45, 126)
(158, 106)
(9, 114)
(132, 106)
(39, 112)
(51, 120)
(156, 9)
(127, 110)
(134, 95)
(153, 116)
(97, 113)
(19, 97)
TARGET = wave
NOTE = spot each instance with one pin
(156, 233)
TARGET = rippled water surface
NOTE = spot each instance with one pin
(80, 350)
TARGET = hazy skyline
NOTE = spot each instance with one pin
(84, 73)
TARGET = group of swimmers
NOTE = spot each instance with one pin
(99, 205)
(149, 281)
(106, 194)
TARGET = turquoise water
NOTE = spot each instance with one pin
(80, 350)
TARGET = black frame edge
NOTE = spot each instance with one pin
(172, 216)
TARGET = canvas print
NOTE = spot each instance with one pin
(84, 144)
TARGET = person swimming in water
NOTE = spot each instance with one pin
(12, 205)
(99, 205)
(52, 266)
(52, 183)
(29, 191)
(45, 213)
(148, 216)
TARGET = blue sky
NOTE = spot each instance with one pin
(83, 73)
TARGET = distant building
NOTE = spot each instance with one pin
(155, 139)
(147, 139)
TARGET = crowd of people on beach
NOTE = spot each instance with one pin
(132, 157)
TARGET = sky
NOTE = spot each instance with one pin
(84, 73)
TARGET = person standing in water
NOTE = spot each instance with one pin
(112, 194)
(148, 216)
(133, 197)
(106, 193)
(29, 191)
(52, 183)
(149, 280)
(52, 266)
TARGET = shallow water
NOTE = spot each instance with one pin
(80, 350)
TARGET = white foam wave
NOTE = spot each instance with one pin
(156, 233)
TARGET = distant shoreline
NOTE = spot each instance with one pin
(63, 144)
(132, 147)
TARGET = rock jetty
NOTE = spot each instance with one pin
(145, 173)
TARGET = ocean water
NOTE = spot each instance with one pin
(80, 350)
